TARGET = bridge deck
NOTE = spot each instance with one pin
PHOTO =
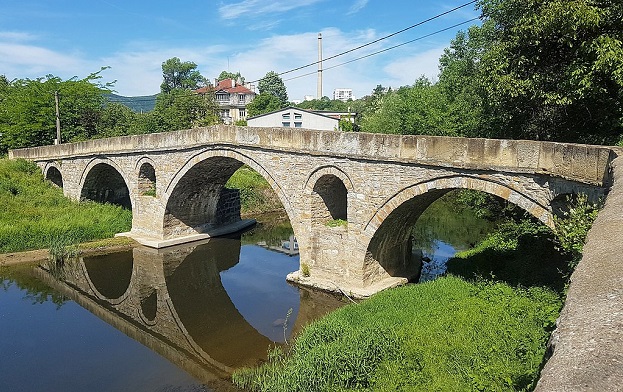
(588, 343)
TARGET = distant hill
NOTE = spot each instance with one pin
(144, 103)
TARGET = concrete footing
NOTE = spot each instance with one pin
(216, 232)
(351, 291)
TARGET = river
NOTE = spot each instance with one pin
(179, 319)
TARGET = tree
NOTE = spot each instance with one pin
(553, 69)
(272, 84)
(418, 109)
(460, 85)
(263, 103)
(183, 109)
(230, 75)
(27, 109)
(178, 74)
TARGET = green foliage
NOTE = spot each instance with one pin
(180, 75)
(62, 249)
(305, 270)
(520, 253)
(448, 334)
(263, 103)
(27, 110)
(34, 212)
(240, 123)
(325, 103)
(256, 195)
(336, 223)
(346, 125)
(553, 69)
(183, 109)
(230, 75)
(272, 84)
(418, 109)
(573, 225)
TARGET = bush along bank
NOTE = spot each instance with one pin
(36, 215)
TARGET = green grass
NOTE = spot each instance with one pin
(35, 214)
(444, 335)
(256, 194)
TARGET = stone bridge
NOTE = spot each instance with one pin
(378, 184)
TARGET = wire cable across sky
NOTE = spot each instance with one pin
(380, 39)
(386, 49)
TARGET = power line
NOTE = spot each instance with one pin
(386, 49)
(376, 40)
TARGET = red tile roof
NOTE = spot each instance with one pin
(226, 86)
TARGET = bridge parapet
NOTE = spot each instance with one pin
(579, 162)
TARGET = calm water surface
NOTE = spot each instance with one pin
(179, 319)
(144, 320)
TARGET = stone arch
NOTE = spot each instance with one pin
(388, 229)
(104, 182)
(53, 174)
(146, 178)
(211, 169)
(110, 276)
(328, 188)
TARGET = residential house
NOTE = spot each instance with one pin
(293, 117)
(232, 98)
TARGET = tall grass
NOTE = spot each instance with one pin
(34, 212)
(444, 335)
(256, 195)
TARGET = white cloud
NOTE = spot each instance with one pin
(137, 67)
(16, 36)
(357, 6)
(406, 70)
(261, 7)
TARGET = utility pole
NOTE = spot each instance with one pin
(58, 119)
(319, 89)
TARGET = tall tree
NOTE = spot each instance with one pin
(27, 111)
(418, 109)
(263, 103)
(230, 75)
(178, 74)
(553, 69)
(272, 84)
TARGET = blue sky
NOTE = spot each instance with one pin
(69, 38)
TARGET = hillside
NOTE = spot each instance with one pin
(139, 104)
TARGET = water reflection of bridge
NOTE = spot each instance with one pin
(173, 301)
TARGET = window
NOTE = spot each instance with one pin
(222, 97)
(285, 124)
(298, 116)
(286, 116)
(298, 124)
(242, 113)
(241, 98)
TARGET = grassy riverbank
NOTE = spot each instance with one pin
(484, 327)
(35, 214)
(444, 335)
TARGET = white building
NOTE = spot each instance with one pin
(343, 94)
(292, 117)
